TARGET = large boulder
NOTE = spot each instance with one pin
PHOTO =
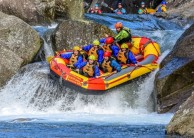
(174, 81)
(19, 43)
(70, 9)
(183, 121)
(70, 33)
(29, 10)
(39, 11)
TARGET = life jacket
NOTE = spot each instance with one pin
(106, 66)
(119, 11)
(88, 70)
(144, 10)
(127, 30)
(107, 47)
(98, 11)
(73, 59)
(126, 39)
(93, 51)
(160, 9)
(122, 57)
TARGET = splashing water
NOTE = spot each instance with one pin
(32, 93)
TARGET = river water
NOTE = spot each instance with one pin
(32, 104)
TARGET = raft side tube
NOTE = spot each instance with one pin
(127, 74)
(149, 59)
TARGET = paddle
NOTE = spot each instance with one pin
(49, 58)
(101, 76)
(110, 75)
(105, 5)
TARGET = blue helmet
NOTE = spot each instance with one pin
(163, 2)
(96, 5)
(142, 3)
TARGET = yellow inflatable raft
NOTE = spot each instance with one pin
(107, 81)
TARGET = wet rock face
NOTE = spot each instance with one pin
(183, 121)
(19, 43)
(183, 8)
(38, 11)
(70, 33)
(176, 3)
(184, 46)
(174, 81)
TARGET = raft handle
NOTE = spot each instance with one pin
(84, 83)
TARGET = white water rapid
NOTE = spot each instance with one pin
(31, 93)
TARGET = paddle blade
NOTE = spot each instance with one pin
(104, 4)
(49, 58)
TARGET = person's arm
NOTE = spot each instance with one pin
(123, 11)
(115, 11)
(118, 37)
(79, 61)
(122, 34)
(132, 58)
(115, 49)
(87, 48)
(100, 56)
(66, 56)
(102, 40)
(79, 66)
(116, 65)
(96, 71)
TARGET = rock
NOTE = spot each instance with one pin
(70, 9)
(19, 43)
(70, 33)
(160, 14)
(176, 3)
(184, 46)
(174, 81)
(29, 10)
(183, 8)
(183, 121)
(39, 11)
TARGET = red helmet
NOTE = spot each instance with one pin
(118, 25)
(109, 40)
(107, 54)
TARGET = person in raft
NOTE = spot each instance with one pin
(94, 49)
(124, 34)
(74, 58)
(119, 10)
(125, 56)
(110, 46)
(143, 9)
(95, 10)
(109, 64)
(162, 7)
(148, 50)
(89, 68)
